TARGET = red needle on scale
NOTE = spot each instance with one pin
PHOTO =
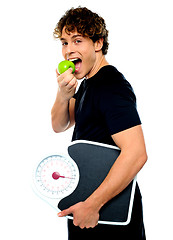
(56, 176)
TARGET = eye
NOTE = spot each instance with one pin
(64, 43)
(77, 41)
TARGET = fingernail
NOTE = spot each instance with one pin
(59, 214)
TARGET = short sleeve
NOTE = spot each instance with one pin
(118, 108)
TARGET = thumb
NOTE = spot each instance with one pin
(57, 73)
(65, 212)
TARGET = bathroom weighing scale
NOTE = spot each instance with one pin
(64, 180)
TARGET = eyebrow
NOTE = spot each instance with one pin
(74, 36)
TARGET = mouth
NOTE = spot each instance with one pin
(77, 62)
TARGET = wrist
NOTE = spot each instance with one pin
(62, 98)
(94, 202)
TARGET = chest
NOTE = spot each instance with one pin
(87, 107)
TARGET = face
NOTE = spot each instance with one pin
(81, 50)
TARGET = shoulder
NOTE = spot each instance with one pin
(117, 102)
(113, 83)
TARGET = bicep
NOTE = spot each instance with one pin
(133, 151)
(131, 140)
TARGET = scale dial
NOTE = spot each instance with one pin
(56, 176)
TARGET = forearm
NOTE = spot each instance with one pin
(63, 109)
(60, 114)
(121, 174)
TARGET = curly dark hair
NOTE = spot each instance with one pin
(86, 22)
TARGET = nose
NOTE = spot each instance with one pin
(69, 50)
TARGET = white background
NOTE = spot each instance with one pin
(140, 36)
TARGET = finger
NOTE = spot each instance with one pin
(75, 86)
(64, 212)
(68, 71)
(65, 77)
(72, 84)
(57, 73)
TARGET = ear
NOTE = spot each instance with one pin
(98, 45)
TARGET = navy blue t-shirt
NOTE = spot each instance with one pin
(105, 105)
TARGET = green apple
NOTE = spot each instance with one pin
(65, 65)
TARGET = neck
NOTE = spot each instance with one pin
(99, 63)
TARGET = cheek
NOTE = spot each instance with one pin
(89, 54)
(63, 52)
(90, 59)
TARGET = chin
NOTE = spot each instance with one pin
(80, 76)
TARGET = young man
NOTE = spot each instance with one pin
(103, 110)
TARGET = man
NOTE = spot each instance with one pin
(103, 110)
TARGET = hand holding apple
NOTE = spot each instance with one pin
(65, 65)
(66, 80)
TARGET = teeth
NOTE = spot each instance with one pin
(72, 60)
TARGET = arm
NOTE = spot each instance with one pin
(131, 159)
(62, 112)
